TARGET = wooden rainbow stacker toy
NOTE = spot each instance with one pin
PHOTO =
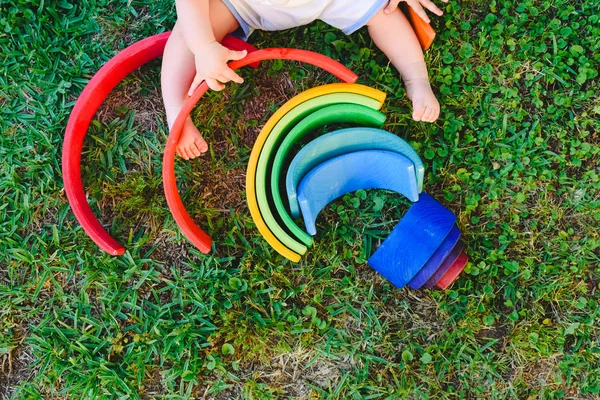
(423, 250)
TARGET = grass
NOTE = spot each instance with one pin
(514, 155)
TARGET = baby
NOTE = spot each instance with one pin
(193, 53)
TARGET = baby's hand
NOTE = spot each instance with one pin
(211, 66)
(417, 6)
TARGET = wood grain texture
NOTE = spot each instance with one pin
(413, 241)
(452, 274)
(356, 110)
(371, 169)
(341, 142)
(297, 240)
(436, 260)
(448, 262)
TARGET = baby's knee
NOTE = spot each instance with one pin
(385, 17)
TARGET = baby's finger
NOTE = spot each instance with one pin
(197, 81)
(237, 55)
(392, 5)
(214, 85)
(416, 6)
(431, 7)
(222, 79)
(231, 75)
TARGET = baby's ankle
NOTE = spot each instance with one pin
(417, 86)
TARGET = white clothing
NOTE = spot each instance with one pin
(274, 15)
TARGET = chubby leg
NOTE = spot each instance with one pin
(178, 71)
(393, 34)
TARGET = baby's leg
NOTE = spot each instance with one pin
(393, 34)
(178, 71)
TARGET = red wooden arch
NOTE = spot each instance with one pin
(93, 95)
(197, 236)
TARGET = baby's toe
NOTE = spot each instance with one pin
(193, 150)
(188, 154)
(430, 114)
(181, 152)
(426, 113)
(418, 111)
(436, 114)
(201, 145)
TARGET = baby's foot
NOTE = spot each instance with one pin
(425, 105)
(191, 143)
